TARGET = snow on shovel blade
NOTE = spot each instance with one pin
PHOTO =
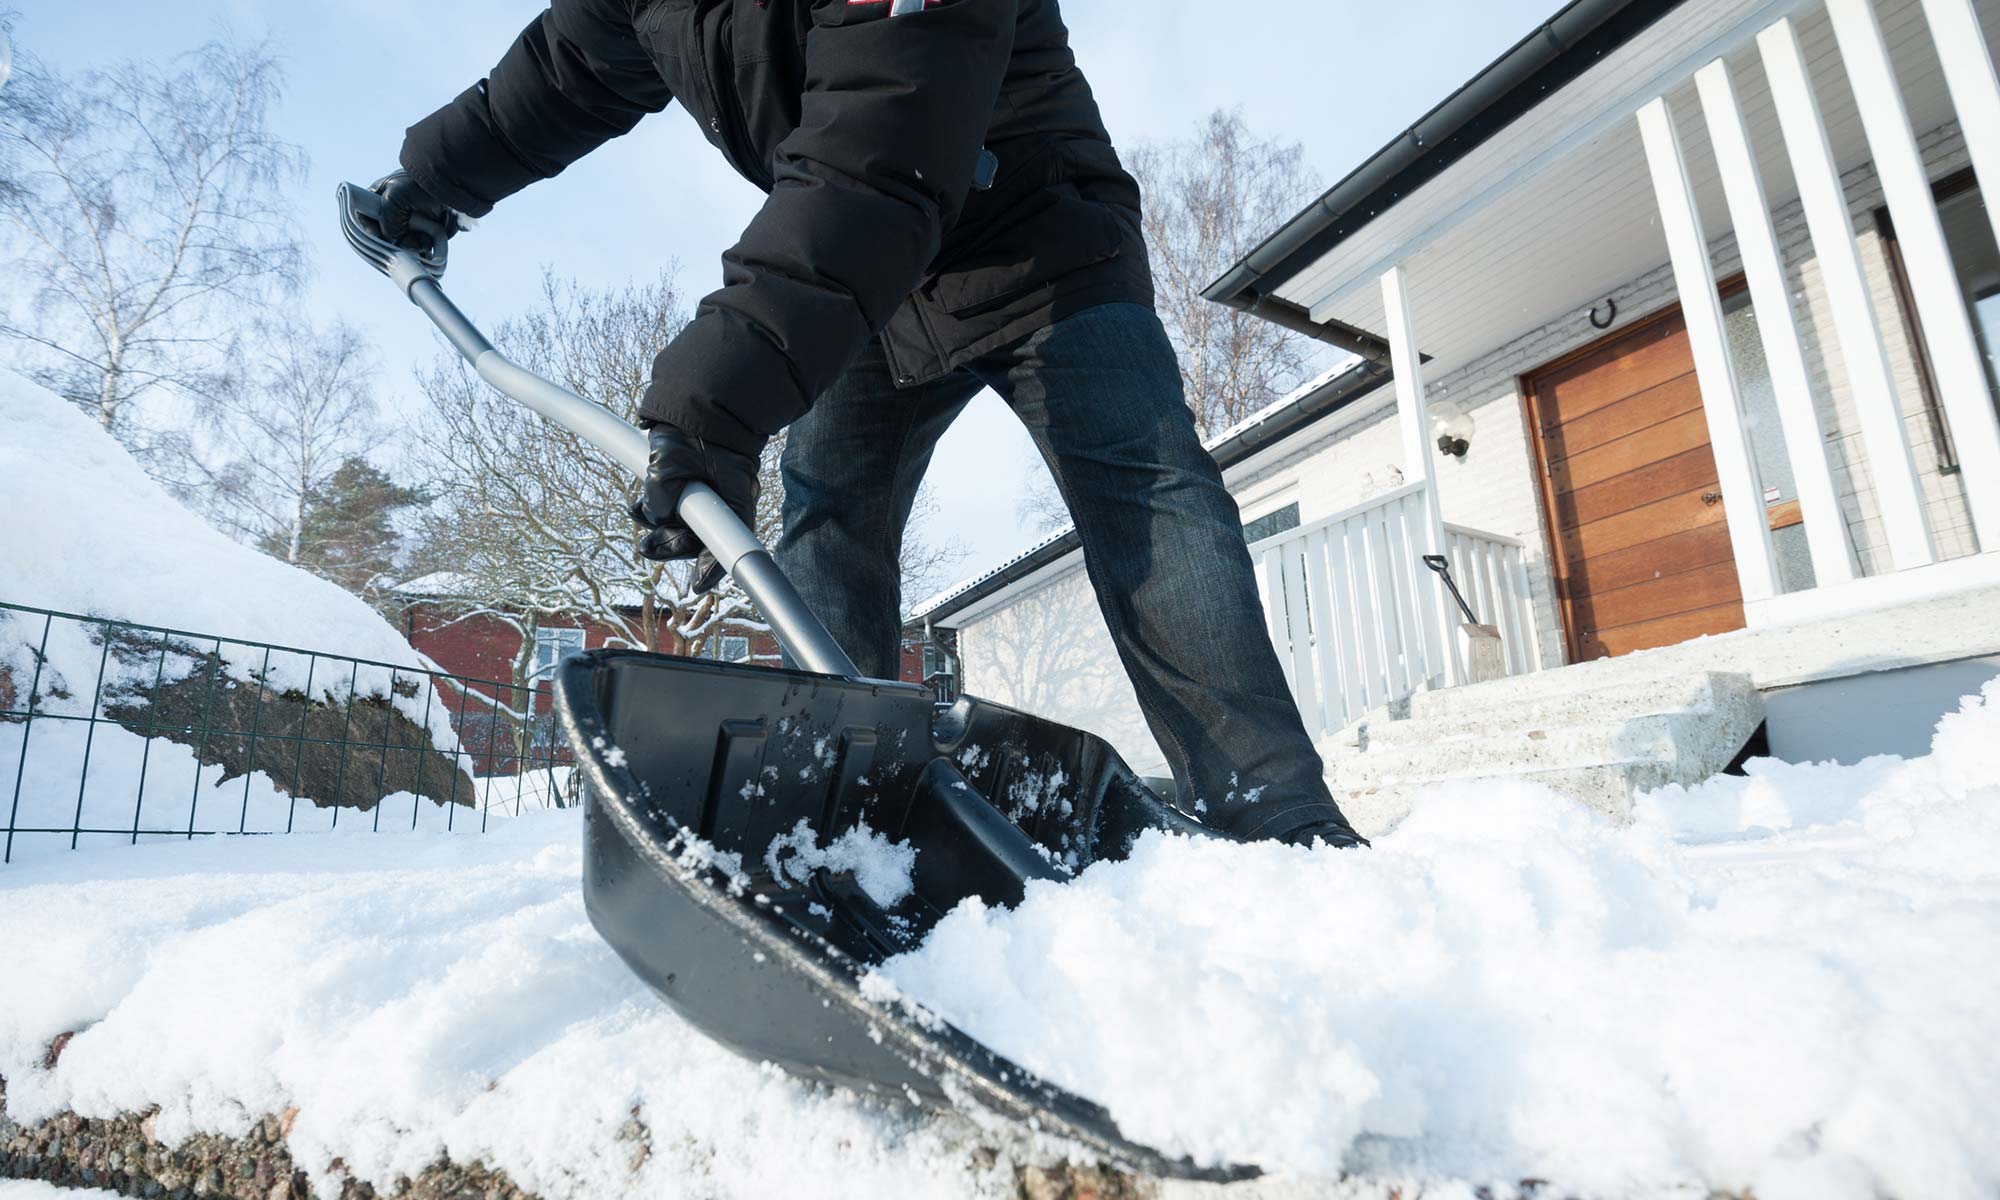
(744, 854)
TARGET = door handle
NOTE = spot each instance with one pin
(1711, 497)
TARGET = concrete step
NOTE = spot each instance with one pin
(1472, 756)
(1600, 736)
(1552, 696)
(1447, 720)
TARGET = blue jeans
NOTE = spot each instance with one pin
(1100, 394)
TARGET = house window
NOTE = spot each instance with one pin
(935, 660)
(1272, 523)
(732, 648)
(554, 645)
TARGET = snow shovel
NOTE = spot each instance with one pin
(714, 794)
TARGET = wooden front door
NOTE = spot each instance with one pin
(1641, 551)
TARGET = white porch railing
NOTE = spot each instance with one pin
(1356, 618)
(1954, 355)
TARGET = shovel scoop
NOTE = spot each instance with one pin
(712, 792)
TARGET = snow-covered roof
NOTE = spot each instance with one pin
(454, 585)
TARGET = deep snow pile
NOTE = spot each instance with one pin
(1781, 983)
(89, 532)
(1509, 988)
(412, 996)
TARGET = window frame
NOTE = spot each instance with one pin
(555, 637)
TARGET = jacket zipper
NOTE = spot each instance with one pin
(725, 120)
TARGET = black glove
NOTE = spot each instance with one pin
(412, 217)
(675, 460)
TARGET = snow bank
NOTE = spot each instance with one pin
(1782, 983)
(414, 996)
(89, 532)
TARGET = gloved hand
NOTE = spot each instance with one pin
(410, 212)
(675, 460)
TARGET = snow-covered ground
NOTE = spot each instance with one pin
(1782, 983)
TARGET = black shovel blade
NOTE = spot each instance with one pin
(692, 770)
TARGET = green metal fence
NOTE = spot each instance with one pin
(112, 731)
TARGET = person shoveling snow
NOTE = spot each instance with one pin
(1775, 985)
(945, 213)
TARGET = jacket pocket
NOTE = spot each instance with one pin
(1063, 233)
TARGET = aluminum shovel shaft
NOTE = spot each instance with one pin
(726, 536)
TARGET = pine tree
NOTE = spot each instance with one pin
(348, 534)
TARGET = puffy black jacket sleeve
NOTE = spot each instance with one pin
(893, 116)
(577, 77)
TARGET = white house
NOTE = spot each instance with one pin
(1709, 292)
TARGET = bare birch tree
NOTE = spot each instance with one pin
(141, 213)
(529, 519)
(1209, 200)
(300, 406)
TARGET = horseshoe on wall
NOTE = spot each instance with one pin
(1610, 314)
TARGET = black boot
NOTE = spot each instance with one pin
(1297, 824)
(1337, 834)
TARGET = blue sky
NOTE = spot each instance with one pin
(1340, 76)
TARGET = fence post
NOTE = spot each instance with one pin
(27, 727)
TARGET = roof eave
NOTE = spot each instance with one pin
(1556, 52)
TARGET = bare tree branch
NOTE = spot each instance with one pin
(140, 214)
(1209, 199)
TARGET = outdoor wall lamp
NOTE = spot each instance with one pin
(1452, 447)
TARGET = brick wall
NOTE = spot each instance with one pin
(484, 646)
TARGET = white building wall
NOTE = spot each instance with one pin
(1048, 651)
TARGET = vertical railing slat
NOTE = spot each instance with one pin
(1372, 656)
(1877, 411)
(1327, 626)
(1777, 326)
(1974, 88)
(1715, 370)
(1274, 611)
(1306, 689)
(1956, 362)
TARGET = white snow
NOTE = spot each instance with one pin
(29, 1189)
(414, 995)
(880, 865)
(1782, 983)
(181, 795)
(89, 532)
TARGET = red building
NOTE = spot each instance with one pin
(485, 646)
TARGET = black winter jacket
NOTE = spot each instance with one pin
(865, 130)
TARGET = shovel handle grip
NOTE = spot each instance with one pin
(800, 632)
